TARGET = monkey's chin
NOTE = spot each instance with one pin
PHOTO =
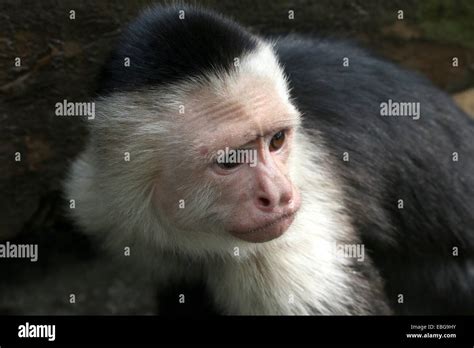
(266, 232)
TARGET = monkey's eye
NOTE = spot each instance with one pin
(277, 141)
(227, 165)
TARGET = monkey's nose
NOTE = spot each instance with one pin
(270, 201)
(264, 202)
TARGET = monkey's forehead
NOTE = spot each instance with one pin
(251, 108)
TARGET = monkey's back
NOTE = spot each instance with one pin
(409, 183)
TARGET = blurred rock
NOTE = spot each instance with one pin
(466, 101)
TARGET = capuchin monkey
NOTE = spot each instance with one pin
(289, 175)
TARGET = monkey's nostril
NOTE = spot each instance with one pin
(264, 201)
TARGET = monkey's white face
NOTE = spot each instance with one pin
(238, 145)
(260, 194)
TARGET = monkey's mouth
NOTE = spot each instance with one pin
(268, 231)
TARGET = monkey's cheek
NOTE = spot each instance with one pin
(265, 234)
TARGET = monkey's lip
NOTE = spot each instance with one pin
(268, 231)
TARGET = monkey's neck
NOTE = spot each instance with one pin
(298, 274)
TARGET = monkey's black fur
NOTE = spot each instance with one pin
(164, 49)
(392, 158)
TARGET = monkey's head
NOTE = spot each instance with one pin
(229, 154)
(204, 112)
